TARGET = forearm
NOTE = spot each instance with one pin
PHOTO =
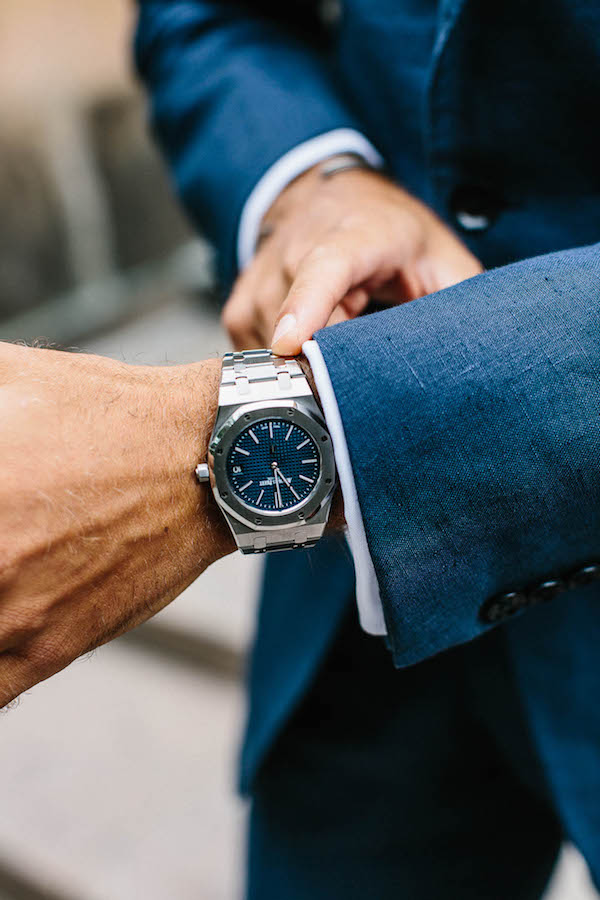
(102, 522)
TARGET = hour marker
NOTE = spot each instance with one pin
(290, 429)
(253, 436)
(305, 461)
(303, 444)
(241, 450)
(306, 478)
(260, 496)
(247, 485)
(271, 430)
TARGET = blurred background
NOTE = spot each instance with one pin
(117, 777)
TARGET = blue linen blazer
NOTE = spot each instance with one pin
(473, 415)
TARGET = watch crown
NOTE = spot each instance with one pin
(202, 472)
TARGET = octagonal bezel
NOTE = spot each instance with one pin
(225, 437)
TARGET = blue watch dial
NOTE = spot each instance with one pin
(273, 465)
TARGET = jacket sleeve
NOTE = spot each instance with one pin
(472, 418)
(233, 87)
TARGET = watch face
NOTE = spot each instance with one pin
(273, 465)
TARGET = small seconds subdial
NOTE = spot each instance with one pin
(273, 465)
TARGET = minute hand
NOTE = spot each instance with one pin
(287, 483)
(277, 489)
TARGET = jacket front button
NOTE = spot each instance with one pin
(474, 207)
(501, 607)
(545, 591)
(585, 575)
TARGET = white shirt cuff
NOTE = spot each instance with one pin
(368, 598)
(288, 167)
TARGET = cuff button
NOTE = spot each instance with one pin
(546, 591)
(585, 575)
(499, 608)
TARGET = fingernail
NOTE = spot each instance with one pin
(287, 324)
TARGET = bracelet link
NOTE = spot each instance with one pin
(249, 375)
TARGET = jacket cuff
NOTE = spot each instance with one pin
(471, 418)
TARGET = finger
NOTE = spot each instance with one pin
(267, 304)
(324, 278)
(449, 272)
(338, 315)
(239, 316)
(350, 307)
(250, 313)
(451, 264)
(355, 302)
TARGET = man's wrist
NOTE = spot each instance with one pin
(318, 178)
(289, 196)
(292, 165)
(194, 398)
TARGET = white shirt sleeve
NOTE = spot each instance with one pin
(288, 167)
(281, 173)
(370, 608)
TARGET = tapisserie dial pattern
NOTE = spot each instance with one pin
(273, 465)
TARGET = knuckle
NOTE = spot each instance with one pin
(330, 254)
(321, 252)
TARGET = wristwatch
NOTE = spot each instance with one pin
(270, 458)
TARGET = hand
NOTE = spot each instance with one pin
(336, 243)
(102, 522)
